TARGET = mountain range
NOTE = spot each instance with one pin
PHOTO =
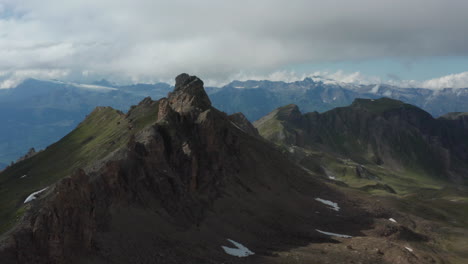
(257, 98)
(38, 113)
(178, 181)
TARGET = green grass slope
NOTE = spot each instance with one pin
(102, 132)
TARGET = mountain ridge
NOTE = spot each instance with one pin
(175, 169)
(39, 112)
(312, 95)
(370, 129)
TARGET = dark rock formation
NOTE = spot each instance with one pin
(189, 95)
(362, 172)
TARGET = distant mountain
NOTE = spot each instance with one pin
(379, 132)
(38, 113)
(257, 98)
(156, 91)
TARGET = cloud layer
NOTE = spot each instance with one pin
(459, 80)
(151, 40)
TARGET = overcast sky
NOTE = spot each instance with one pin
(152, 40)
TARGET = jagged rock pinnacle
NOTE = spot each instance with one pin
(183, 80)
(189, 94)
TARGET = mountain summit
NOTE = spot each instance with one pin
(189, 94)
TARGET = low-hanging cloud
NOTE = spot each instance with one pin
(459, 80)
(150, 40)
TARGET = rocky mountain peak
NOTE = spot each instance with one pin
(183, 81)
(189, 94)
(188, 98)
(289, 112)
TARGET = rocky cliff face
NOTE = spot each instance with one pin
(383, 132)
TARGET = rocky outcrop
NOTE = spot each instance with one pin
(31, 153)
(189, 95)
(363, 172)
(244, 124)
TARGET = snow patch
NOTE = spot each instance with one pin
(234, 124)
(94, 87)
(85, 86)
(375, 89)
(333, 234)
(24, 176)
(392, 220)
(409, 249)
(240, 250)
(186, 149)
(34, 195)
(387, 93)
(332, 205)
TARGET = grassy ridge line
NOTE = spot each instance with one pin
(102, 132)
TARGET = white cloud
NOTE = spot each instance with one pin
(285, 76)
(459, 80)
(456, 80)
(150, 40)
(352, 78)
(12, 79)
